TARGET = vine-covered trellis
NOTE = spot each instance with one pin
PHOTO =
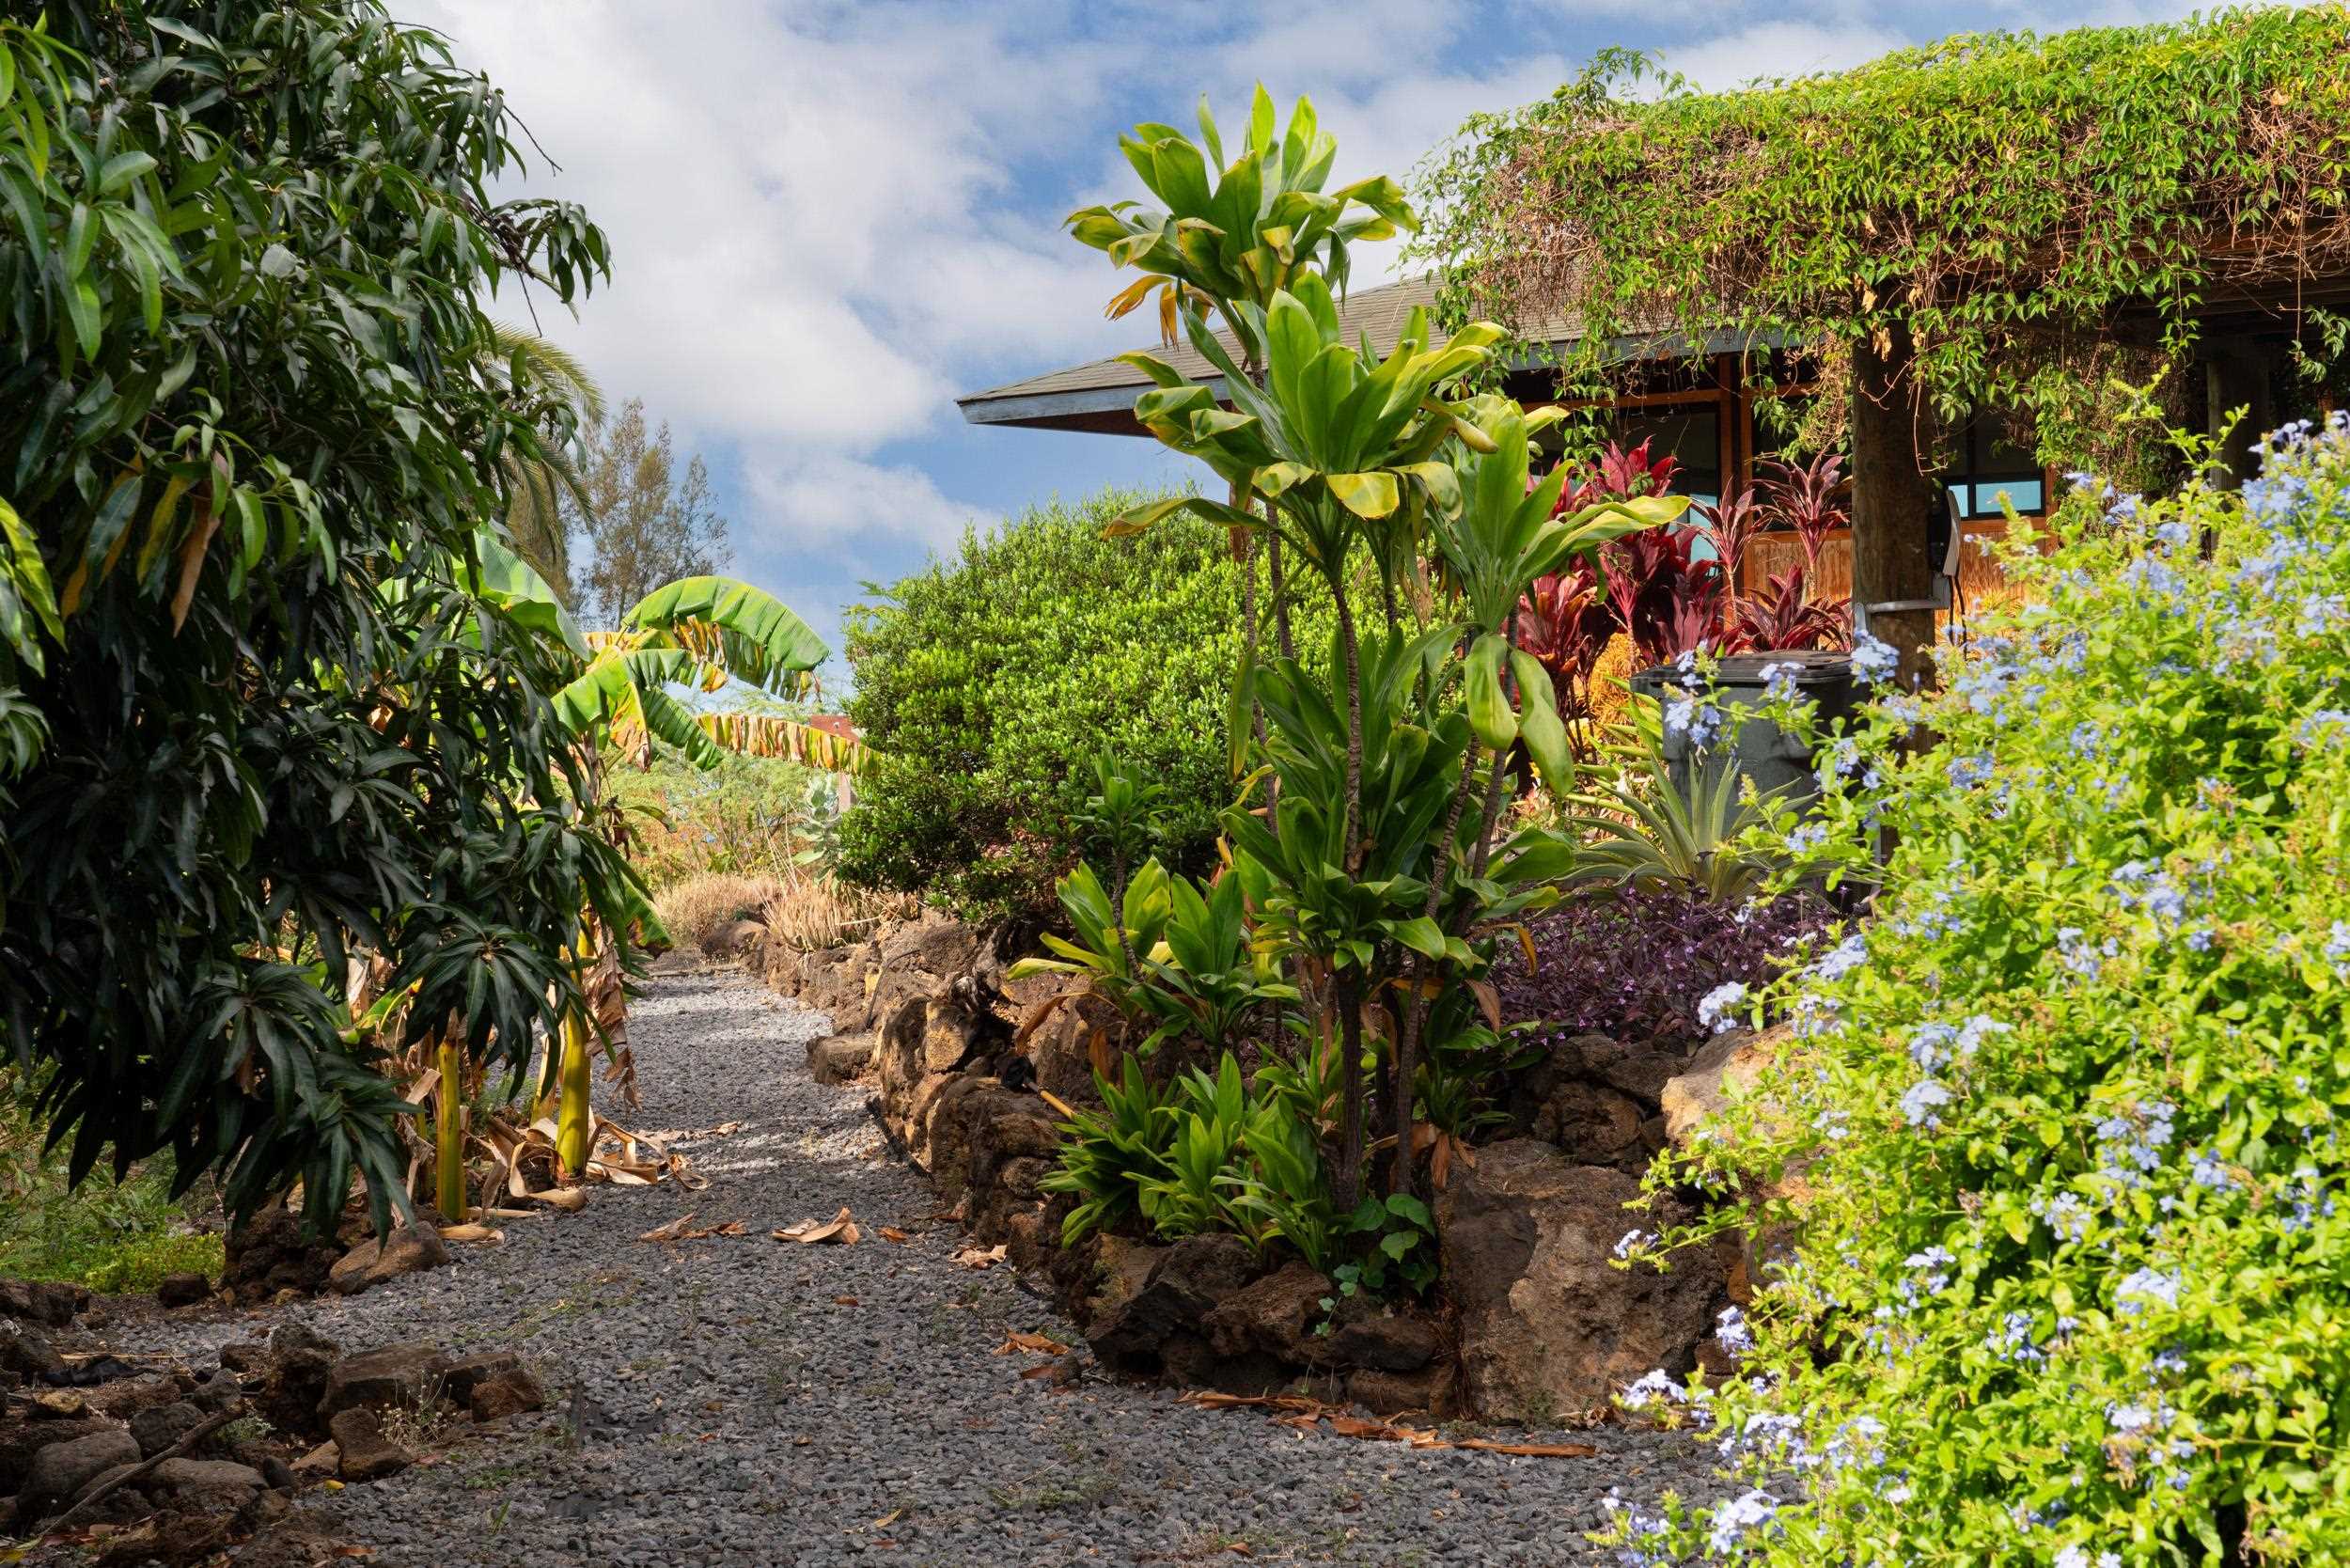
(1983, 222)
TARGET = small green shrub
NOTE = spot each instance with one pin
(113, 1237)
(746, 817)
(2071, 1260)
(990, 683)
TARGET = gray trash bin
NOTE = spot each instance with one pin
(1755, 746)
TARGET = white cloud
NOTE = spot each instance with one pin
(841, 508)
(828, 219)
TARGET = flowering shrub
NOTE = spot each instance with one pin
(2070, 1272)
(1634, 964)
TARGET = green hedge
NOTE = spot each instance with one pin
(989, 683)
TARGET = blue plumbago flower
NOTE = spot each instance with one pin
(2083, 958)
(2077, 1556)
(2065, 1214)
(1639, 1524)
(1967, 772)
(2147, 1285)
(1778, 682)
(1633, 1241)
(1930, 1045)
(1858, 1444)
(1842, 958)
(2210, 1170)
(1732, 1334)
(2140, 885)
(2173, 535)
(2155, 576)
(1751, 1511)
(2089, 737)
(2311, 1202)
(2321, 612)
(1837, 759)
(2322, 725)
(1687, 667)
(1714, 1008)
(1810, 837)
(2013, 1341)
(1873, 660)
(1697, 717)
(2127, 1149)
(1922, 1102)
(1933, 1264)
(1649, 1388)
(2171, 1361)
(2338, 947)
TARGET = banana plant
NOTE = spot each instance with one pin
(699, 633)
(1242, 231)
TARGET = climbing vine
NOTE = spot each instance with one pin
(2032, 209)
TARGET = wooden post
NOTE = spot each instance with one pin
(1892, 562)
(2236, 376)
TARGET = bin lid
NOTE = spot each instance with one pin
(1802, 667)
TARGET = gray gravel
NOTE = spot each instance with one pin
(743, 1400)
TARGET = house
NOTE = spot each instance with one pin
(1701, 409)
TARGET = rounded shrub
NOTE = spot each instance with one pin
(2056, 1129)
(990, 682)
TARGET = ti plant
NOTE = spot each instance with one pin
(1369, 877)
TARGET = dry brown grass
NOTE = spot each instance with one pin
(698, 910)
(807, 913)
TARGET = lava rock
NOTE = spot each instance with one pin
(1387, 1341)
(271, 1252)
(1427, 1391)
(1180, 1286)
(20, 1441)
(27, 1358)
(1734, 1060)
(159, 1427)
(400, 1376)
(1549, 1328)
(458, 1378)
(1276, 1315)
(41, 1301)
(410, 1250)
(841, 1058)
(182, 1289)
(364, 1452)
(61, 1470)
(505, 1393)
(250, 1355)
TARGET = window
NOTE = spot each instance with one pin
(1991, 467)
(1691, 434)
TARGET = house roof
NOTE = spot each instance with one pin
(1099, 394)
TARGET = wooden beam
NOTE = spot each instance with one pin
(2235, 376)
(1892, 567)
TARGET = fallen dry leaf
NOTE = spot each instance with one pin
(891, 1233)
(1529, 1450)
(683, 1228)
(570, 1199)
(844, 1301)
(1029, 1344)
(471, 1232)
(889, 1518)
(971, 1257)
(1046, 1369)
(840, 1229)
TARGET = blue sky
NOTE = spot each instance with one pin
(827, 219)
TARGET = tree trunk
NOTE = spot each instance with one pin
(1892, 563)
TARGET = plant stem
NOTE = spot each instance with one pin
(1351, 671)
(1275, 582)
(448, 1128)
(1346, 1182)
(1415, 1004)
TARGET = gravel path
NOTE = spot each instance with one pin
(743, 1400)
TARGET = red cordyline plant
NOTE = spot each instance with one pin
(1655, 588)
